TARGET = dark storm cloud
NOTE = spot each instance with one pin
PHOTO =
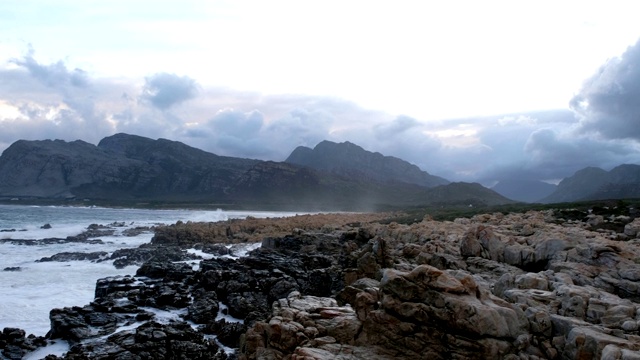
(237, 124)
(609, 101)
(399, 125)
(305, 126)
(54, 75)
(247, 134)
(165, 90)
(540, 146)
(233, 133)
(552, 155)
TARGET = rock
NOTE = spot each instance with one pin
(75, 256)
(168, 270)
(45, 226)
(204, 308)
(299, 319)
(589, 343)
(595, 220)
(15, 345)
(633, 228)
(151, 341)
(532, 281)
(474, 288)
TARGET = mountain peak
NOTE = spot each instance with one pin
(350, 160)
(593, 183)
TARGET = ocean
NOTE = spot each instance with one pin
(30, 289)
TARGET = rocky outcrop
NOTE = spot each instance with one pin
(255, 230)
(15, 345)
(494, 286)
(501, 286)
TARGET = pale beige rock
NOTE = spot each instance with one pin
(633, 228)
(589, 343)
(517, 286)
(532, 281)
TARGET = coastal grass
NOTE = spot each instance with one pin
(403, 215)
(450, 213)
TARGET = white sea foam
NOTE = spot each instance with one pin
(58, 348)
(28, 295)
(241, 250)
(201, 253)
(224, 314)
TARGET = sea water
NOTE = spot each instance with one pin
(28, 294)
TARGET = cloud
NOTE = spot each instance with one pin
(248, 134)
(399, 125)
(165, 90)
(53, 75)
(237, 124)
(609, 102)
(233, 133)
(43, 101)
(545, 145)
(51, 101)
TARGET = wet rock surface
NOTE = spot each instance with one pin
(14, 344)
(537, 285)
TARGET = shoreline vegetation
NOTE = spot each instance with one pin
(403, 214)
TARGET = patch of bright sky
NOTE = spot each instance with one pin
(428, 60)
(8, 111)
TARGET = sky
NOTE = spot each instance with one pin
(467, 90)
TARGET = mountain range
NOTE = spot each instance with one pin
(524, 190)
(331, 176)
(127, 167)
(593, 183)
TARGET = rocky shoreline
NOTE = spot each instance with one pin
(537, 285)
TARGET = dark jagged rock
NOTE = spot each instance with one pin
(166, 270)
(119, 285)
(138, 256)
(15, 345)
(49, 241)
(75, 256)
(204, 307)
(151, 341)
(228, 333)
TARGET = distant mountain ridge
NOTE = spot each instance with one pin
(593, 183)
(524, 190)
(352, 161)
(126, 167)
